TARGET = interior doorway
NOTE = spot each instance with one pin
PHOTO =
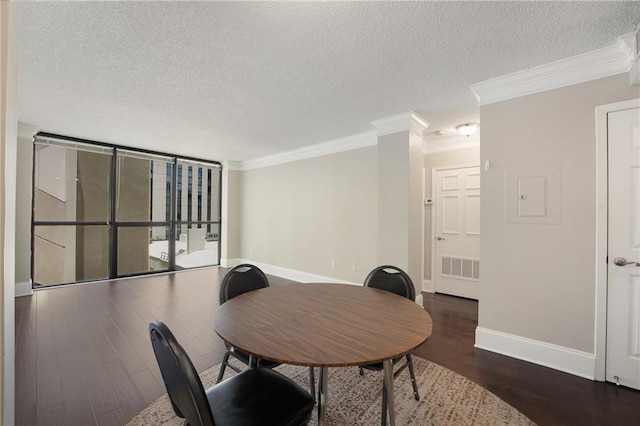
(623, 271)
(456, 230)
(617, 346)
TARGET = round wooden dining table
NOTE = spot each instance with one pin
(325, 325)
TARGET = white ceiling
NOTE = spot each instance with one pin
(240, 80)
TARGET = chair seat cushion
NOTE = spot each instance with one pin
(259, 396)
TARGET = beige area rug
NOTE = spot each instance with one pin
(446, 398)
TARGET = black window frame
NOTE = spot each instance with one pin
(172, 221)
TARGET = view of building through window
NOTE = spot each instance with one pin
(105, 212)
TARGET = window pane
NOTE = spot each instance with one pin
(149, 195)
(197, 245)
(71, 183)
(198, 192)
(66, 254)
(143, 187)
(142, 249)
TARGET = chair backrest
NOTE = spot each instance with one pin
(180, 377)
(241, 279)
(393, 279)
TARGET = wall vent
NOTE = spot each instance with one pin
(460, 267)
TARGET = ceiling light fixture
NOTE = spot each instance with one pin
(467, 129)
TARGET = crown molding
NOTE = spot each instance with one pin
(418, 125)
(232, 165)
(589, 66)
(400, 123)
(348, 143)
(451, 143)
(27, 131)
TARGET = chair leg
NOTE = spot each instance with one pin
(361, 371)
(416, 395)
(225, 361)
(384, 405)
(312, 383)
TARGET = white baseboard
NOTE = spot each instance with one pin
(419, 299)
(230, 263)
(24, 289)
(560, 358)
(290, 274)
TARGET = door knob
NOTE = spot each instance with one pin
(439, 238)
(621, 261)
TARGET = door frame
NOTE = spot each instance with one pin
(434, 172)
(602, 234)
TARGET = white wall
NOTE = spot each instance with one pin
(301, 215)
(400, 193)
(538, 281)
(9, 44)
(354, 210)
(416, 209)
(231, 215)
(393, 193)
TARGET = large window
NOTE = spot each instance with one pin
(102, 211)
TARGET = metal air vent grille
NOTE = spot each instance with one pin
(460, 267)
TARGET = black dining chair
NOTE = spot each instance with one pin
(393, 279)
(258, 396)
(239, 280)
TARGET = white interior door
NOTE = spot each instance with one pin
(457, 231)
(623, 284)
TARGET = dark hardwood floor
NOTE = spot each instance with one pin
(546, 396)
(83, 355)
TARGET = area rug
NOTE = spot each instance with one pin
(446, 398)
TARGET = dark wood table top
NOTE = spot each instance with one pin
(323, 325)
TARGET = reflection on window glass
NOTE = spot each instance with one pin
(71, 184)
(142, 249)
(140, 197)
(198, 197)
(67, 254)
(103, 211)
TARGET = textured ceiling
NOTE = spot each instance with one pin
(240, 80)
